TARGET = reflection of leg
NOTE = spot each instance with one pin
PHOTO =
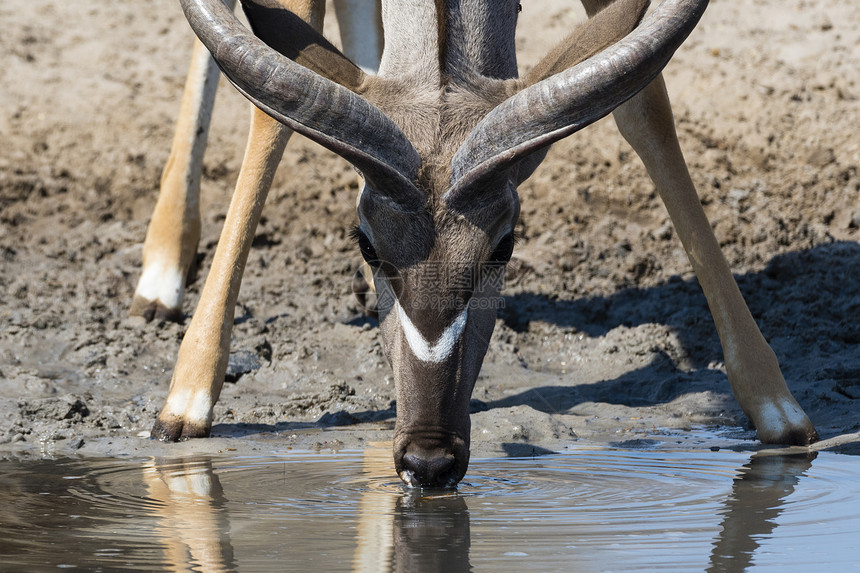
(751, 510)
(191, 515)
(375, 550)
(202, 362)
(646, 122)
(174, 231)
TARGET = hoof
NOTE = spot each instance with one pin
(784, 423)
(159, 292)
(186, 414)
(154, 309)
(793, 437)
(177, 430)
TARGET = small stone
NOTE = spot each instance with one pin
(855, 220)
(77, 410)
(821, 157)
(340, 418)
(664, 233)
(133, 322)
(736, 196)
(240, 363)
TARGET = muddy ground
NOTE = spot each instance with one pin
(607, 337)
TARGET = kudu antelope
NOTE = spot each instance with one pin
(442, 138)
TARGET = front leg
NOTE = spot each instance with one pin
(758, 385)
(202, 362)
(174, 230)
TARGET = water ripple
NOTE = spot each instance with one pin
(601, 509)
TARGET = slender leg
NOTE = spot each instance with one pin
(202, 362)
(174, 231)
(199, 372)
(360, 24)
(646, 123)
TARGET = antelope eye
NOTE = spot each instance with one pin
(504, 250)
(365, 246)
(367, 250)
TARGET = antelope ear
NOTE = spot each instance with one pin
(288, 34)
(599, 32)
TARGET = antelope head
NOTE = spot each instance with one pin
(442, 138)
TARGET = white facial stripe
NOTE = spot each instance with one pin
(419, 345)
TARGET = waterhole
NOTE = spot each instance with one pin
(587, 510)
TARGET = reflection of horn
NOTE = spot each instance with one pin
(757, 497)
(375, 549)
(193, 525)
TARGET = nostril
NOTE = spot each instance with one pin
(428, 469)
(432, 466)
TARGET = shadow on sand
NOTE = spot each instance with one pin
(807, 304)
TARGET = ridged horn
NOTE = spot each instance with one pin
(566, 102)
(318, 108)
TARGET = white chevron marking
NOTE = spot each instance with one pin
(419, 345)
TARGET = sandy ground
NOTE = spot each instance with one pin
(607, 337)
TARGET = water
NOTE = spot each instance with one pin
(588, 510)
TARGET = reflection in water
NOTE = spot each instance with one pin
(595, 509)
(410, 532)
(757, 498)
(192, 525)
(375, 551)
(431, 534)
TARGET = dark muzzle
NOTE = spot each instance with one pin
(431, 462)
